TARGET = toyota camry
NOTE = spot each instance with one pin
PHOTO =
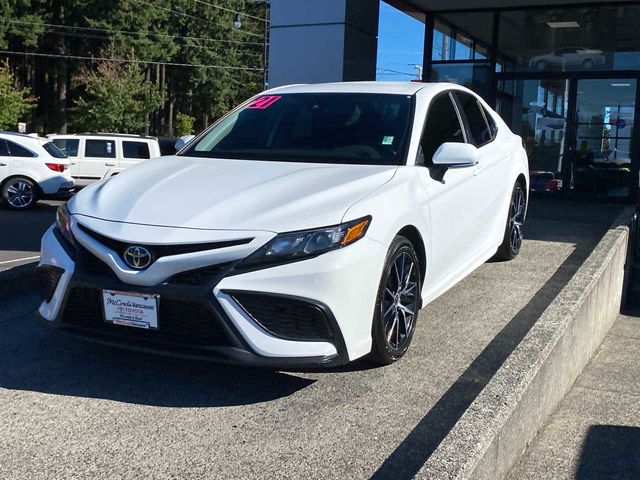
(307, 227)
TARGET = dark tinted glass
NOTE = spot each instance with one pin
(18, 150)
(68, 145)
(327, 128)
(135, 150)
(53, 150)
(4, 151)
(493, 128)
(478, 128)
(442, 126)
(100, 148)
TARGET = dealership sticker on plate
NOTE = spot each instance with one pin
(264, 102)
(139, 310)
(387, 140)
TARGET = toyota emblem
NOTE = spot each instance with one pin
(137, 257)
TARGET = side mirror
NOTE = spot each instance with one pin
(456, 155)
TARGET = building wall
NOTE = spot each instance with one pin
(328, 41)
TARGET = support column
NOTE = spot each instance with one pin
(328, 41)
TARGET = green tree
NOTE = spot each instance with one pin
(116, 98)
(184, 124)
(14, 102)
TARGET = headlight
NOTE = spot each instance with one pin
(288, 247)
(63, 222)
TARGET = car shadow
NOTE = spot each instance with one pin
(610, 451)
(22, 230)
(34, 359)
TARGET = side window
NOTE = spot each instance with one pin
(100, 148)
(135, 150)
(493, 127)
(478, 129)
(4, 151)
(68, 145)
(442, 126)
(16, 150)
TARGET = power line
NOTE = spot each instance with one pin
(126, 60)
(130, 32)
(232, 11)
(181, 45)
(197, 18)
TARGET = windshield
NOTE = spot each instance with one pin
(307, 127)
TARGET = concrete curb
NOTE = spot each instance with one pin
(506, 416)
(18, 280)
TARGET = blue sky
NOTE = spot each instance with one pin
(400, 41)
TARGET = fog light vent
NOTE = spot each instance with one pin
(49, 277)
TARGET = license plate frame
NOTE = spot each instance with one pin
(131, 309)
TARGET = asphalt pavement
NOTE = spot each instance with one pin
(72, 409)
(20, 233)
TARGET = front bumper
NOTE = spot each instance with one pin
(218, 307)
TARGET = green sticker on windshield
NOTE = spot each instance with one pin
(387, 140)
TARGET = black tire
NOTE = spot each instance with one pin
(512, 240)
(19, 193)
(397, 303)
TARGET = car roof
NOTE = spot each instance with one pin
(22, 137)
(90, 134)
(397, 88)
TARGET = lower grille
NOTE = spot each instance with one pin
(284, 317)
(180, 323)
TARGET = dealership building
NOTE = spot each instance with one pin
(563, 75)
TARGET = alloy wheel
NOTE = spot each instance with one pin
(400, 303)
(516, 220)
(20, 194)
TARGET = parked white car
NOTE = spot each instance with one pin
(575, 57)
(94, 155)
(31, 169)
(306, 227)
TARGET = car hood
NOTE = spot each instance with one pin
(220, 194)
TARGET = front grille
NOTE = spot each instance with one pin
(179, 323)
(92, 264)
(158, 251)
(49, 277)
(199, 276)
(284, 317)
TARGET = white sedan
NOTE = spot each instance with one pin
(307, 227)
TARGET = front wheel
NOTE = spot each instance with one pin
(397, 304)
(513, 236)
(19, 193)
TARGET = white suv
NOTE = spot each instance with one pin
(31, 168)
(95, 155)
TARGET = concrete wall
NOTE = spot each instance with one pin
(327, 41)
(506, 416)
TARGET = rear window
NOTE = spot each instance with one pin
(100, 148)
(478, 127)
(135, 150)
(54, 151)
(4, 150)
(68, 145)
(16, 150)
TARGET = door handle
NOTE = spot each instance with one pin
(110, 164)
(3, 164)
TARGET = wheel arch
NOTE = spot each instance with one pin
(10, 177)
(413, 235)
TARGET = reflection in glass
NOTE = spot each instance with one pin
(605, 117)
(571, 38)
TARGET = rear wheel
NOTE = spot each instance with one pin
(513, 234)
(397, 305)
(19, 193)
